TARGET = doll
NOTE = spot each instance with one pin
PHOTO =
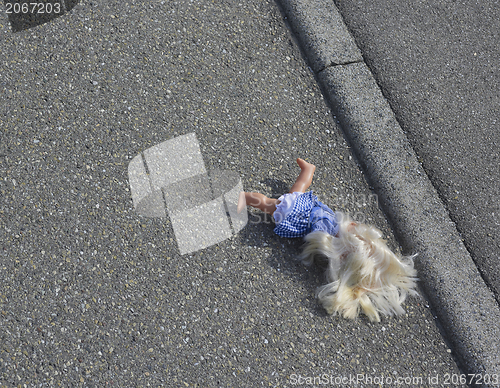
(363, 274)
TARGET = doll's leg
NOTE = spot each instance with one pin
(257, 200)
(305, 177)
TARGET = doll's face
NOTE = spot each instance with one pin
(351, 226)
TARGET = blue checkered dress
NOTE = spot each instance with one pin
(308, 215)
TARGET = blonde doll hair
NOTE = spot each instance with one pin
(363, 274)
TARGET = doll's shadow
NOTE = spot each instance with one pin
(281, 255)
(278, 188)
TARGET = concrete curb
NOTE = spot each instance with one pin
(465, 306)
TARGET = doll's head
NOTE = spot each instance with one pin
(363, 274)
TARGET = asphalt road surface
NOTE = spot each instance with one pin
(94, 294)
(437, 64)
